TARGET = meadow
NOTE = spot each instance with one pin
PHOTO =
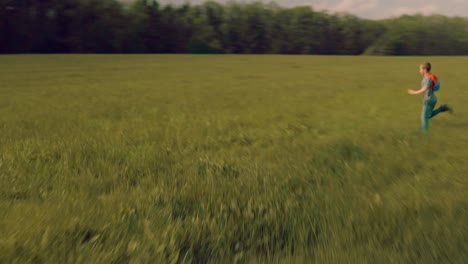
(230, 159)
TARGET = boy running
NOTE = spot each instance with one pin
(429, 98)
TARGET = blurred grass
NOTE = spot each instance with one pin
(284, 159)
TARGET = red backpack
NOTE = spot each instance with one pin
(435, 82)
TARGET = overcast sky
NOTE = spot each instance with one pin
(374, 9)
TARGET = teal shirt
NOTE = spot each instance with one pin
(429, 94)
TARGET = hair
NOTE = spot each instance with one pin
(427, 66)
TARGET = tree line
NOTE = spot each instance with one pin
(144, 26)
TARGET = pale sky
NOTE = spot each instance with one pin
(374, 9)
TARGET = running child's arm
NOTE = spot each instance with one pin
(426, 83)
(420, 91)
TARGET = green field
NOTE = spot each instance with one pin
(221, 159)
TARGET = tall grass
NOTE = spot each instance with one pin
(209, 159)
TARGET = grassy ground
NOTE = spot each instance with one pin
(285, 159)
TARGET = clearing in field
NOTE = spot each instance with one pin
(117, 159)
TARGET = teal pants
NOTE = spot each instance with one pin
(428, 112)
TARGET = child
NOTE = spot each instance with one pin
(429, 99)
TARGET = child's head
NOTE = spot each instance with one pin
(425, 68)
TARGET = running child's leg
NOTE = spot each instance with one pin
(427, 113)
(441, 109)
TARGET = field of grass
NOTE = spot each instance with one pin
(221, 159)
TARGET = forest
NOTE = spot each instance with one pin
(142, 26)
